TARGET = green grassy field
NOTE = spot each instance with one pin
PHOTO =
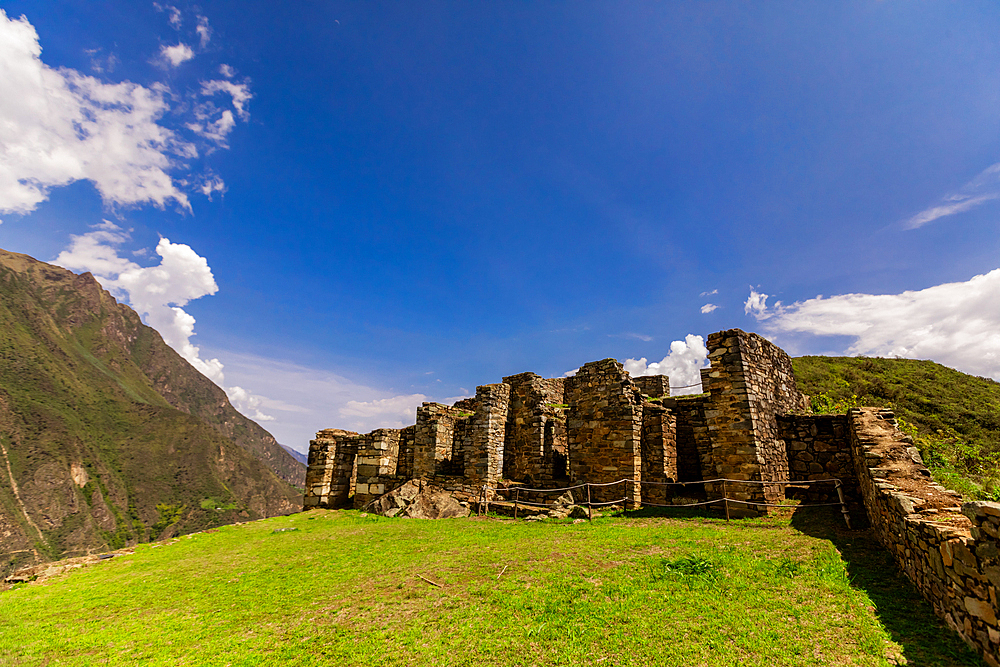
(343, 588)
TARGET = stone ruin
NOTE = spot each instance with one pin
(750, 427)
(598, 426)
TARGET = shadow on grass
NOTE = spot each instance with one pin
(906, 616)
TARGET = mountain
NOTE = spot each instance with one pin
(954, 417)
(108, 436)
(297, 455)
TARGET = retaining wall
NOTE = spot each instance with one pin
(947, 549)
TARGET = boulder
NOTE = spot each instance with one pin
(418, 500)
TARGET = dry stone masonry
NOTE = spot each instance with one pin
(599, 426)
(749, 428)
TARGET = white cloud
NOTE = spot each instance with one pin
(707, 308)
(682, 365)
(392, 412)
(305, 400)
(983, 188)
(238, 92)
(159, 294)
(204, 31)
(956, 324)
(210, 184)
(58, 126)
(227, 71)
(755, 304)
(100, 63)
(712, 293)
(213, 123)
(633, 336)
(174, 17)
(247, 403)
(177, 54)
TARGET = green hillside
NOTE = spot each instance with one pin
(954, 417)
(107, 436)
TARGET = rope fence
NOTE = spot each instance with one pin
(590, 504)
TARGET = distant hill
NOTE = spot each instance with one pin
(297, 455)
(955, 416)
(108, 436)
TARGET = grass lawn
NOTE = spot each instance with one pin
(342, 588)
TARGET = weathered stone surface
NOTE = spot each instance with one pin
(418, 501)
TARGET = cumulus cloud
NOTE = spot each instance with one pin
(756, 303)
(159, 294)
(983, 188)
(707, 308)
(176, 54)
(713, 292)
(227, 71)
(682, 365)
(58, 126)
(956, 324)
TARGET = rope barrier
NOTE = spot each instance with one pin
(750, 502)
(613, 502)
(786, 482)
(725, 499)
(707, 502)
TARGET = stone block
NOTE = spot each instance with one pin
(981, 609)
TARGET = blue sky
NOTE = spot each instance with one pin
(338, 210)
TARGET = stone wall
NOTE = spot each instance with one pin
(434, 450)
(818, 447)
(377, 456)
(750, 382)
(950, 553)
(536, 439)
(659, 453)
(654, 386)
(330, 468)
(594, 427)
(605, 429)
(484, 462)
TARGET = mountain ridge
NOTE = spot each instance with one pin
(108, 436)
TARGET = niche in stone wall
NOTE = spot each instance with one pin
(555, 449)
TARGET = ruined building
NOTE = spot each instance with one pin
(750, 428)
(601, 425)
